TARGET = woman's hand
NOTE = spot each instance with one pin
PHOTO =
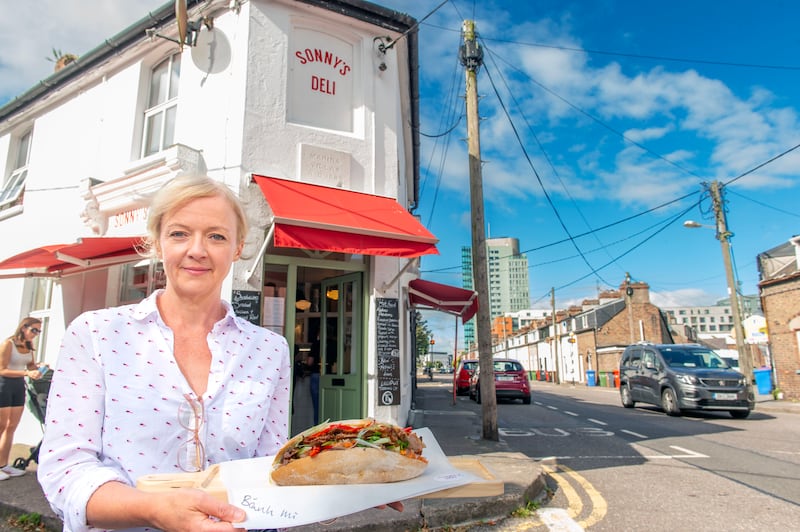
(114, 505)
(191, 510)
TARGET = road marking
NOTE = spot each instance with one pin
(689, 454)
(552, 407)
(633, 433)
(558, 520)
(574, 500)
(570, 413)
(597, 421)
(559, 472)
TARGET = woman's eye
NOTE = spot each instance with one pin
(176, 234)
(217, 236)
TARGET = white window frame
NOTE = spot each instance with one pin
(15, 183)
(161, 108)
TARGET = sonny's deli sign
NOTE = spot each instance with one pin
(321, 81)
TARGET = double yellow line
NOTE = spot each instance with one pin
(562, 475)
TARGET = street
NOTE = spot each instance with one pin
(612, 468)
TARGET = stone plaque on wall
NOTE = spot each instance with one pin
(322, 166)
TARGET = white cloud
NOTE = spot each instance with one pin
(685, 297)
(31, 30)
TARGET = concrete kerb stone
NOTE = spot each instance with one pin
(523, 481)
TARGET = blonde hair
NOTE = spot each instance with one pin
(178, 192)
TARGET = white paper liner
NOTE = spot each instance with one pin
(271, 506)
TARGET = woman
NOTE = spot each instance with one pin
(174, 383)
(16, 363)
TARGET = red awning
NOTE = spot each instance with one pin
(310, 216)
(84, 253)
(452, 299)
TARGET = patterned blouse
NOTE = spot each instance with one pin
(112, 410)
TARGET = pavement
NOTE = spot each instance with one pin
(457, 430)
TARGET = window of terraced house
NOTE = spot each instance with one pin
(15, 182)
(162, 106)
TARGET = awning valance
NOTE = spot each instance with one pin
(85, 253)
(308, 216)
(459, 301)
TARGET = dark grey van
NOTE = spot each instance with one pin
(682, 377)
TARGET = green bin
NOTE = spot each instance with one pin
(603, 378)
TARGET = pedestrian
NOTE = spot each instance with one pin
(17, 361)
(174, 383)
(313, 364)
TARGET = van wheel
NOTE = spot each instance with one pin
(739, 414)
(626, 397)
(669, 402)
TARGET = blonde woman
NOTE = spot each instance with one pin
(174, 383)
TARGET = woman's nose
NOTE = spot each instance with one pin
(197, 246)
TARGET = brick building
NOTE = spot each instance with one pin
(779, 287)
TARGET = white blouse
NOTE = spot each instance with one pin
(112, 410)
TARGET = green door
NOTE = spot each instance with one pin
(341, 348)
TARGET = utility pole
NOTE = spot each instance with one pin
(556, 340)
(723, 235)
(471, 56)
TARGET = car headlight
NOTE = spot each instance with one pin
(688, 379)
(743, 380)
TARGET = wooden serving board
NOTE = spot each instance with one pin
(210, 481)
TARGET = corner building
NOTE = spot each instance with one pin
(306, 109)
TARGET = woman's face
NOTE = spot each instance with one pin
(198, 243)
(31, 331)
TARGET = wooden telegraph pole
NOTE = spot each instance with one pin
(471, 56)
(724, 235)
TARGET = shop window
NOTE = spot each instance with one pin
(14, 184)
(141, 279)
(162, 106)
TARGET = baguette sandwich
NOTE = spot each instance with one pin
(361, 451)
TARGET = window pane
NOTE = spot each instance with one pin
(175, 77)
(152, 138)
(13, 186)
(158, 84)
(22, 151)
(169, 127)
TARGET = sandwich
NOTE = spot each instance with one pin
(363, 451)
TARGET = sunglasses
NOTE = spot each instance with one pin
(34, 330)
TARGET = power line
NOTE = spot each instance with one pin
(539, 179)
(591, 51)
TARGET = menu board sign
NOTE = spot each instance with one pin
(247, 304)
(388, 337)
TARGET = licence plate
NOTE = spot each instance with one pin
(725, 396)
(505, 378)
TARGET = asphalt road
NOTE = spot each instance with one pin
(613, 468)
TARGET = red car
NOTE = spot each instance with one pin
(510, 381)
(463, 374)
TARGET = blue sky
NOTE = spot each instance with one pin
(593, 112)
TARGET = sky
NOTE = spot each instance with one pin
(602, 124)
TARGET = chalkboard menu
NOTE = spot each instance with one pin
(388, 334)
(247, 304)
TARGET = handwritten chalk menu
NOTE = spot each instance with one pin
(247, 304)
(388, 334)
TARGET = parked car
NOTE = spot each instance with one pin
(510, 381)
(680, 377)
(463, 373)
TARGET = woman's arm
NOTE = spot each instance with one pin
(116, 505)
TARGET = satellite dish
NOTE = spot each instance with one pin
(211, 53)
(183, 21)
